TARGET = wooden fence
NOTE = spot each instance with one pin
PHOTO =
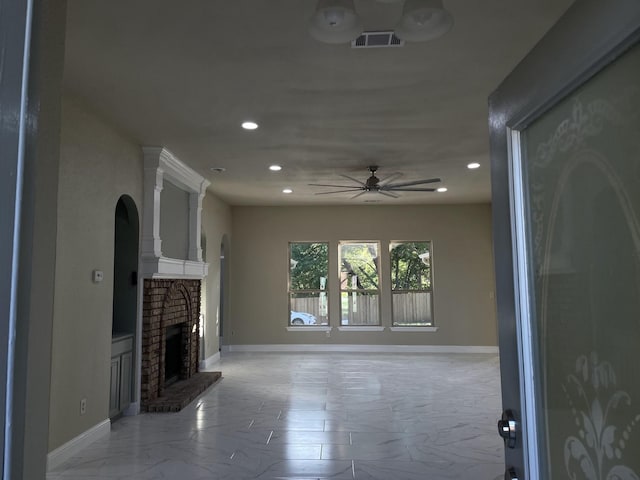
(412, 309)
(409, 308)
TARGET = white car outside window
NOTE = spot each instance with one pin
(302, 318)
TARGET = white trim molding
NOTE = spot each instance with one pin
(132, 410)
(209, 362)
(57, 457)
(310, 328)
(161, 165)
(362, 328)
(284, 348)
(164, 267)
(414, 329)
(180, 173)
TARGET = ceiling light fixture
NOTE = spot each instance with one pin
(287, 190)
(249, 125)
(423, 20)
(335, 21)
(217, 169)
(275, 168)
(441, 189)
(473, 165)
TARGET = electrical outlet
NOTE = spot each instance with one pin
(83, 406)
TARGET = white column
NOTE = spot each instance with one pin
(195, 223)
(153, 184)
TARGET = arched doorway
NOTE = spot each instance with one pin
(224, 291)
(205, 301)
(125, 304)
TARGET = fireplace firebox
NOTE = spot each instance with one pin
(170, 334)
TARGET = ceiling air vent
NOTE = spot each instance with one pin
(377, 40)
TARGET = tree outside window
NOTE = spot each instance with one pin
(411, 283)
(308, 273)
(359, 266)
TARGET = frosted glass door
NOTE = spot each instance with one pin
(580, 177)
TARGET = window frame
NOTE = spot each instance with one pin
(404, 327)
(376, 326)
(319, 291)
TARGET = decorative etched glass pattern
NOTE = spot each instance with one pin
(581, 162)
(598, 449)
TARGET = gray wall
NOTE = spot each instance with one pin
(97, 165)
(464, 308)
(174, 221)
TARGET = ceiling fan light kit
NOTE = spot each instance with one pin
(335, 21)
(423, 20)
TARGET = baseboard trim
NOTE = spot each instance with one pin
(365, 348)
(132, 410)
(57, 457)
(210, 362)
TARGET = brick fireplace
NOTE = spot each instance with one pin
(168, 303)
(172, 284)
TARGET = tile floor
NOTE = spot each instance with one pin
(317, 416)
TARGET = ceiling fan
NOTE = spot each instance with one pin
(375, 185)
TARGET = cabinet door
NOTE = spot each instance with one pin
(126, 363)
(114, 391)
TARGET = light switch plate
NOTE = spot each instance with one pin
(98, 276)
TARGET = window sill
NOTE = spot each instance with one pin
(310, 328)
(362, 328)
(414, 329)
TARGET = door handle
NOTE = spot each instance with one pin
(507, 428)
(510, 474)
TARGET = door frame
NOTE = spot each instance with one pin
(15, 22)
(586, 39)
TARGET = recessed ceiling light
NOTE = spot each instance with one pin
(287, 190)
(441, 189)
(473, 166)
(275, 168)
(249, 125)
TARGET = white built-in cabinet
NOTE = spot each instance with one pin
(121, 374)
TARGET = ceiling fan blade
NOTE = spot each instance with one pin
(408, 184)
(353, 179)
(388, 194)
(339, 191)
(390, 178)
(334, 186)
(412, 190)
(358, 194)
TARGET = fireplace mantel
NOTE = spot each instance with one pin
(160, 165)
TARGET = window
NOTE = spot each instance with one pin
(359, 265)
(308, 272)
(411, 285)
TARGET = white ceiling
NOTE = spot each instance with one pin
(185, 74)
